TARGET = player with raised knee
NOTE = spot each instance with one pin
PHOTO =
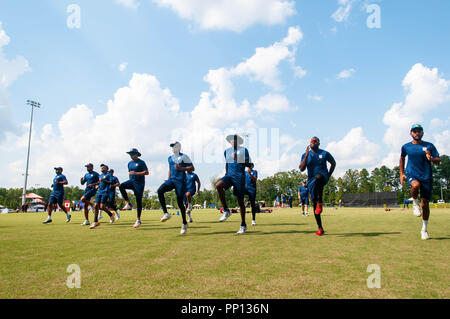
(315, 160)
(102, 198)
(137, 170)
(418, 173)
(57, 195)
(91, 180)
(112, 193)
(179, 163)
(237, 158)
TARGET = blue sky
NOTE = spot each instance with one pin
(178, 45)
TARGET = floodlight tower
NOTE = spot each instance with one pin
(33, 105)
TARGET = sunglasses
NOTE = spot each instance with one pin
(417, 130)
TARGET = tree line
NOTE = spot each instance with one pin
(380, 179)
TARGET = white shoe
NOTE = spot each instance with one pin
(189, 218)
(242, 230)
(306, 214)
(127, 206)
(425, 235)
(117, 216)
(137, 224)
(417, 211)
(184, 228)
(68, 218)
(86, 223)
(225, 215)
(253, 223)
(166, 217)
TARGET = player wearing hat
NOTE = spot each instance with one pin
(303, 197)
(179, 163)
(419, 173)
(251, 176)
(237, 159)
(315, 159)
(191, 189)
(104, 182)
(91, 180)
(137, 169)
(57, 195)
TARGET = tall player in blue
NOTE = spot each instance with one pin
(237, 159)
(91, 180)
(191, 188)
(251, 176)
(418, 172)
(315, 159)
(137, 170)
(57, 195)
(179, 163)
(303, 197)
(102, 198)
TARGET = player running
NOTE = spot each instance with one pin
(91, 180)
(179, 163)
(57, 195)
(419, 173)
(137, 169)
(191, 180)
(303, 197)
(315, 159)
(104, 182)
(112, 194)
(237, 159)
(251, 176)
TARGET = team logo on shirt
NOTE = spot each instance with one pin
(320, 156)
(424, 149)
(137, 164)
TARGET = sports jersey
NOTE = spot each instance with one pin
(191, 178)
(418, 167)
(249, 182)
(317, 163)
(181, 159)
(57, 187)
(138, 166)
(235, 165)
(114, 180)
(104, 186)
(90, 178)
(303, 191)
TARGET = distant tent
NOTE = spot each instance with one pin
(32, 196)
(5, 211)
(197, 206)
(212, 205)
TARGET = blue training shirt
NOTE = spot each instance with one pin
(58, 188)
(235, 166)
(249, 183)
(418, 167)
(303, 191)
(181, 159)
(191, 178)
(114, 180)
(104, 186)
(138, 166)
(90, 178)
(317, 163)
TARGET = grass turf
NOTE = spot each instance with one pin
(279, 258)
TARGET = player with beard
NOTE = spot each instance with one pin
(91, 180)
(315, 160)
(418, 173)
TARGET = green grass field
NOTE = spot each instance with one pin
(279, 258)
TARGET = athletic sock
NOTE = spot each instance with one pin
(416, 202)
(425, 225)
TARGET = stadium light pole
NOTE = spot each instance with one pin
(33, 105)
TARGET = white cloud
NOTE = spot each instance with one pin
(235, 15)
(10, 71)
(354, 150)
(273, 103)
(345, 74)
(426, 90)
(123, 66)
(130, 4)
(299, 72)
(442, 142)
(317, 98)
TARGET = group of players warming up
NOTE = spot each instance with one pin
(241, 175)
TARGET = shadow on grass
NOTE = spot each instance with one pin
(440, 238)
(256, 232)
(364, 234)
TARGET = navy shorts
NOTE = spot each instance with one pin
(89, 193)
(238, 184)
(137, 188)
(425, 187)
(101, 198)
(251, 194)
(180, 187)
(191, 190)
(56, 199)
(312, 186)
(112, 197)
(305, 200)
